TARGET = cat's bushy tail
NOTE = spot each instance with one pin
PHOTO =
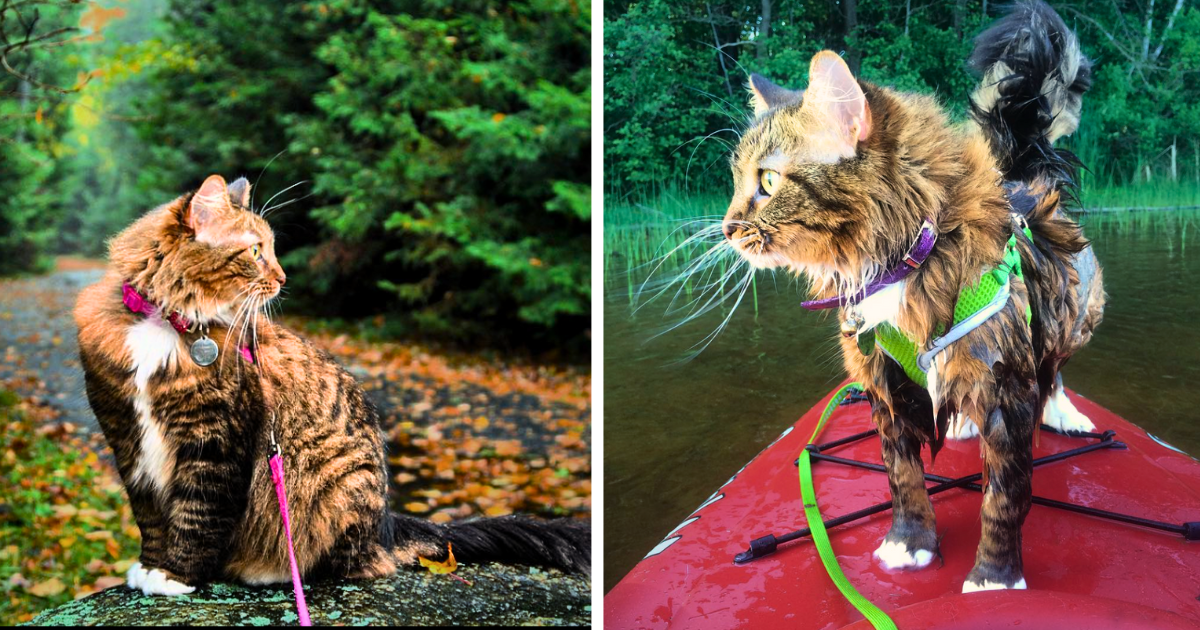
(561, 543)
(1032, 79)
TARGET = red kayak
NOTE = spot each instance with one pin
(1132, 567)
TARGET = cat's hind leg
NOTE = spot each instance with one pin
(1060, 414)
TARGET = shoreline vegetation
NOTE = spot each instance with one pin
(645, 233)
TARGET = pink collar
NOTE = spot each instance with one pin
(138, 303)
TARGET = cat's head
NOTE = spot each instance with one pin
(805, 188)
(206, 254)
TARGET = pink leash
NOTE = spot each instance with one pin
(276, 462)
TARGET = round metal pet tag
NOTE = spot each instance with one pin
(204, 351)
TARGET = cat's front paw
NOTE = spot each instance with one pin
(895, 555)
(135, 576)
(155, 582)
(971, 587)
(993, 578)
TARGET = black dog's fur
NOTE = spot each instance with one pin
(1046, 76)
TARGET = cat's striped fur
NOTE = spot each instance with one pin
(859, 168)
(191, 442)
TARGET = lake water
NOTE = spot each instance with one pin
(674, 431)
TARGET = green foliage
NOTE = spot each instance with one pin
(445, 145)
(465, 166)
(26, 226)
(672, 108)
(31, 131)
(440, 151)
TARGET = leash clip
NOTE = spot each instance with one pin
(273, 449)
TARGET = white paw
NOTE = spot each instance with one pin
(135, 576)
(972, 587)
(895, 555)
(961, 427)
(157, 583)
(1060, 414)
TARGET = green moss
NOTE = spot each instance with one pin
(500, 596)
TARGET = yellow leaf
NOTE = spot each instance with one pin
(49, 588)
(38, 115)
(498, 510)
(67, 542)
(415, 506)
(498, 117)
(441, 567)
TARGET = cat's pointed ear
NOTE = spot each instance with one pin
(765, 95)
(239, 192)
(207, 206)
(833, 90)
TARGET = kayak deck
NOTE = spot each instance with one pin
(690, 579)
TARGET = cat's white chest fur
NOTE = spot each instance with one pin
(882, 306)
(152, 346)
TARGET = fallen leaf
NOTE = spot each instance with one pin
(108, 582)
(498, 510)
(444, 568)
(49, 588)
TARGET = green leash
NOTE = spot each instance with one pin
(816, 524)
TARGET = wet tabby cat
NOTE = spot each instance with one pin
(849, 183)
(192, 440)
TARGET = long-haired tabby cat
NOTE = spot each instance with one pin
(192, 440)
(847, 182)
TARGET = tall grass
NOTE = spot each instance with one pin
(638, 234)
(1144, 181)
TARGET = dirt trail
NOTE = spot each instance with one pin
(37, 339)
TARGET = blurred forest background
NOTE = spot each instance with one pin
(430, 157)
(675, 74)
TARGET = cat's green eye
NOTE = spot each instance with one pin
(255, 250)
(769, 181)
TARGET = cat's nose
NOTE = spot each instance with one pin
(728, 229)
(282, 278)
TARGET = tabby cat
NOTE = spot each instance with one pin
(846, 181)
(192, 440)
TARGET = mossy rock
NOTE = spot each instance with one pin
(500, 595)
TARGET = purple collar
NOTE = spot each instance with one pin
(917, 253)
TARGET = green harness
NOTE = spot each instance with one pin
(976, 304)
